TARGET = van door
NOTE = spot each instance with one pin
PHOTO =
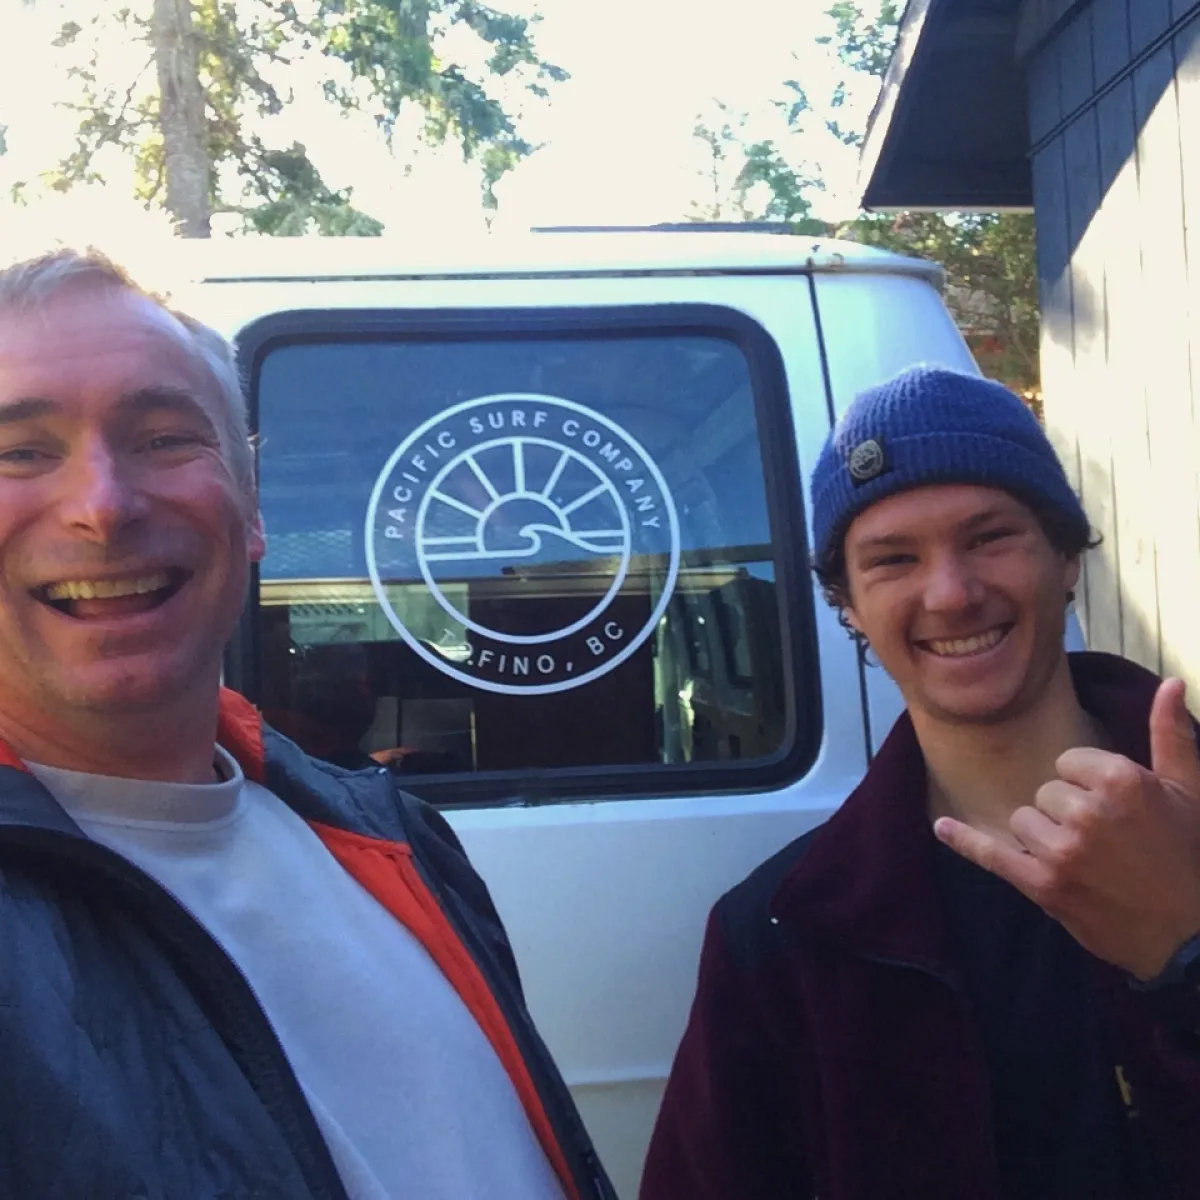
(542, 554)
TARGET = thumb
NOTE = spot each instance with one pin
(1173, 754)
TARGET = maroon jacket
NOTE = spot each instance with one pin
(829, 1053)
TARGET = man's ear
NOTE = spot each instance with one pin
(257, 539)
(851, 618)
(1074, 567)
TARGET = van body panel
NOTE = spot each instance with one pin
(605, 896)
(562, 255)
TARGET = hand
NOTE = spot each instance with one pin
(1109, 849)
(392, 757)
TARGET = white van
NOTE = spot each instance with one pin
(537, 540)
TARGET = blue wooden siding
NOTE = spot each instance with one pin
(1114, 113)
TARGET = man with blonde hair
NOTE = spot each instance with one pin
(226, 969)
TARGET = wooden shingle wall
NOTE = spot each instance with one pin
(1114, 89)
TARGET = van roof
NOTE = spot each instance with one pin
(549, 253)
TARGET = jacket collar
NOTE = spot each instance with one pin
(363, 801)
(24, 802)
(240, 731)
(866, 880)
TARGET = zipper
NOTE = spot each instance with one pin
(215, 980)
(1153, 1181)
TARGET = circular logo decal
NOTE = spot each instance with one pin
(866, 461)
(541, 536)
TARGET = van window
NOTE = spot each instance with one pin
(565, 550)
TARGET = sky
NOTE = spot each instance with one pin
(616, 139)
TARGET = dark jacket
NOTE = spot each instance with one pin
(135, 1062)
(830, 1052)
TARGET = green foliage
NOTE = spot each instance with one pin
(863, 44)
(751, 182)
(991, 279)
(385, 58)
(786, 190)
(296, 200)
(107, 115)
(991, 269)
(990, 262)
(722, 140)
(392, 48)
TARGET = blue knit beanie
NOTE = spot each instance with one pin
(930, 425)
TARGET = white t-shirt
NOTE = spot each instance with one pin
(408, 1092)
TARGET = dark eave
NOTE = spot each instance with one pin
(950, 130)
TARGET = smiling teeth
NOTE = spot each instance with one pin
(106, 589)
(961, 647)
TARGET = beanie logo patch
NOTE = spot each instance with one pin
(867, 461)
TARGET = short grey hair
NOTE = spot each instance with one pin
(26, 285)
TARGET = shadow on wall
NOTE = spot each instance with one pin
(1115, 126)
(1092, 91)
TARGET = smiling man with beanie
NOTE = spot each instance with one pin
(980, 979)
